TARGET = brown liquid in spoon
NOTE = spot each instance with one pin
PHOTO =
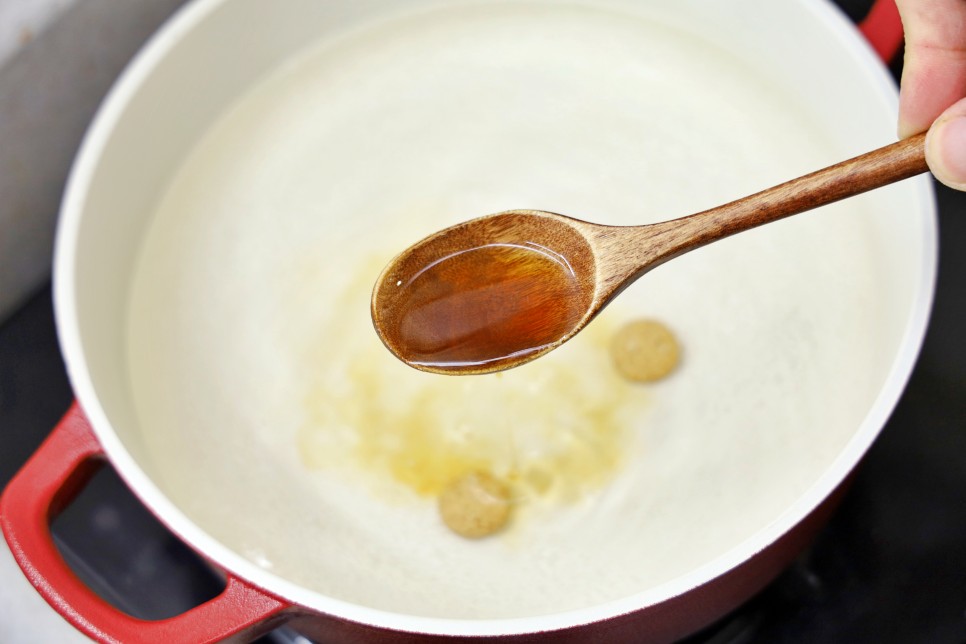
(484, 305)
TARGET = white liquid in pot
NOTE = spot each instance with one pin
(255, 368)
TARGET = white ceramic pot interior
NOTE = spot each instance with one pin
(257, 167)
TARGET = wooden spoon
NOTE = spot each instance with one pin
(498, 291)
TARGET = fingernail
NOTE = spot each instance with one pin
(946, 151)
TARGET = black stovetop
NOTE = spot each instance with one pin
(889, 567)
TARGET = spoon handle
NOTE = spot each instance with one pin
(872, 170)
(670, 239)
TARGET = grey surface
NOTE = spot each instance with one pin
(58, 58)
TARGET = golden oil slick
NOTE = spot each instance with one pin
(555, 429)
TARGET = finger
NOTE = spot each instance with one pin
(946, 146)
(934, 68)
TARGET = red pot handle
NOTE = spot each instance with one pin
(882, 27)
(45, 485)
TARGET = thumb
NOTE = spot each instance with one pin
(946, 146)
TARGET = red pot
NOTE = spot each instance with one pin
(731, 485)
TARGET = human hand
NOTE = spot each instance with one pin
(932, 93)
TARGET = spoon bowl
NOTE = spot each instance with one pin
(498, 291)
(488, 293)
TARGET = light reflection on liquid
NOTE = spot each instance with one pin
(485, 304)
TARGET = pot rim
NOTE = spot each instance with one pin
(65, 304)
